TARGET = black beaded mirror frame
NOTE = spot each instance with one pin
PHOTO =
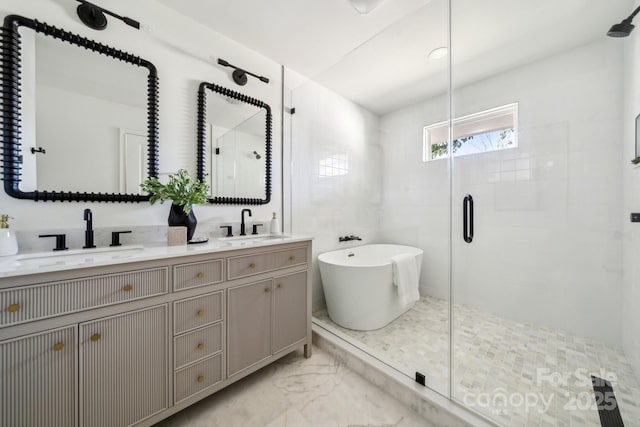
(11, 115)
(202, 142)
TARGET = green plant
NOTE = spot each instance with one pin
(636, 160)
(180, 189)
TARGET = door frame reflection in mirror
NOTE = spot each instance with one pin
(202, 142)
(11, 110)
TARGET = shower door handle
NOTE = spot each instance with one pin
(467, 218)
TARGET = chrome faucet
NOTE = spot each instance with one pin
(242, 233)
(88, 234)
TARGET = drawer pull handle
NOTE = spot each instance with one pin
(58, 346)
(127, 288)
(292, 258)
(279, 285)
(13, 308)
(200, 346)
(200, 275)
(252, 265)
(267, 290)
(200, 313)
(96, 337)
(200, 378)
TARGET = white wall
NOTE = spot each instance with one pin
(631, 284)
(548, 215)
(326, 208)
(182, 51)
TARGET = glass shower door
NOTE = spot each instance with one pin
(358, 168)
(536, 150)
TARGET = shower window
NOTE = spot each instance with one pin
(488, 130)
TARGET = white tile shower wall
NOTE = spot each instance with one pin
(185, 54)
(631, 283)
(547, 246)
(415, 208)
(335, 182)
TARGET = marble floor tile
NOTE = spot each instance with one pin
(299, 392)
(516, 373)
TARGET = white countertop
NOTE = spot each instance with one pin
(37, 263)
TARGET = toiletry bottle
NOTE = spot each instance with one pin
(8, 241)
(274, 228)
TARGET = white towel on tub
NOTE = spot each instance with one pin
(405, 277)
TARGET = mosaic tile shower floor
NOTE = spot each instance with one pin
(516, 373)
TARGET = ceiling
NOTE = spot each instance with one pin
(380, 60)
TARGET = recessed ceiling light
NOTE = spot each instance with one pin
(365, 6)
(438, 53)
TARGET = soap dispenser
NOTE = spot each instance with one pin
(274, 228)
(8, 241)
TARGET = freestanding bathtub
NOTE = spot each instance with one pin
(358, 285)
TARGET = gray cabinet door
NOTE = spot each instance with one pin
(290, 310)
(38, 379)
(123, 368)
(249, 325)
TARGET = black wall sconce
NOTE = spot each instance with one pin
(239, 75)
(93, 16)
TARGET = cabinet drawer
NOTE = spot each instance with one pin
(195, 312)
(196, 274)
(248, 265)
(34, 302)
(197, 377)
(197, 345)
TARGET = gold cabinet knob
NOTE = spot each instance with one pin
(279, 285)
(95, 337)
(127, 288)
(200, 275)
(13, 308)
(200, 346)
(252, 265)
(292, 258)
(267, 289)
(200, 313)
(200, 378)
(58, 346)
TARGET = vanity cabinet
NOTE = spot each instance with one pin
(249, 322)
(133, 343)
(39, 379)
(265, 318)
(289, 311)
(123, 367)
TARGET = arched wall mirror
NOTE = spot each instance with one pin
(80, 119)
(234, 146)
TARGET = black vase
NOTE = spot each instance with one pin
(177, 217)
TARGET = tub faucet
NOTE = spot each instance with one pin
(348, 238)
(88, 234)
(242, 233)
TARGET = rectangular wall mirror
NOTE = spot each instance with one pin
(234, 146)
(83, 117)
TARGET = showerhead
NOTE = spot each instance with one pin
(624, 28)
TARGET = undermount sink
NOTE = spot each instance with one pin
(75, 255)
